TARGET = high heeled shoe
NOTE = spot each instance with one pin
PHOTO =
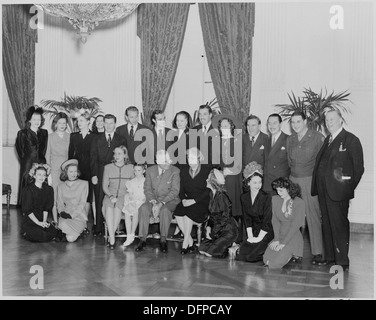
(184, 251)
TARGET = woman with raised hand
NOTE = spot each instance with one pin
(223, 228)
(288, 217)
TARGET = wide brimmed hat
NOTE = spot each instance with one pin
(68, 162)
(251, 168)
(219, 176)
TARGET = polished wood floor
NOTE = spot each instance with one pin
(88, 268)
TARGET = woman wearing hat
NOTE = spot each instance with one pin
(37, 202)
(223, 227)
(71, 201)
(257, 215)
(31, 145)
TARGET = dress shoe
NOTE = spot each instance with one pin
(141, 246)
(97, 233)
(179, 235)
(296, 259)
(325, 262)
(163, 246)
(192, 248)
(112, 246)
(316, 259)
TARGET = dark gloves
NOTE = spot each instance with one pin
(65, 215)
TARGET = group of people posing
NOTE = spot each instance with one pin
(250, 191)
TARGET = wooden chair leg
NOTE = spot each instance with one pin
(199, 234)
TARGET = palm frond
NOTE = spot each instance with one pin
(314, 106)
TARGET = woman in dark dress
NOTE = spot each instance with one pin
(194, 195)
(79, 149)
(231, 165)
(257, 215)
(31, 145)
(98, 124)
(181, 125)
(224, 230)
(37, 203)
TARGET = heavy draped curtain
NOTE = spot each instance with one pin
(19, 58)
(228, 31)
(161, 28)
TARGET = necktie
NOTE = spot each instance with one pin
(132, 132)
(330, 140)
(273, 141)
(109, 140)
(253, 140)
(204, 129)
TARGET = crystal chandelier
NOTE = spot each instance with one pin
(84, 17)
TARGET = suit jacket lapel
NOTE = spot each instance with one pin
(277, 145)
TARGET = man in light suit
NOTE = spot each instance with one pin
(161, 187)
(254, 142)
(338, 169)
(101, 154)
(132, 129)
(276, 163)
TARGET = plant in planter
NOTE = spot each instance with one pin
(314, 106)
(73, 106)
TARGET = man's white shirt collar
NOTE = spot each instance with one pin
(256, 136)
(335, 134)
(134, 127)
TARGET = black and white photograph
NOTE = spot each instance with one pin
(208, 151)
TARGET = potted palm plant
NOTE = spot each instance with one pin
(314, 106)
(73, 106)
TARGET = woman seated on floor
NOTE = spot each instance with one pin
(257, 215)
(224, 230)
(37, 202)
(194, 196)
(288, 217)
(71, 201)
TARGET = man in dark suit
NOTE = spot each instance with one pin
(205, 132)
(102, 153)
(276, 163)
(162, 139)
(338, 169)
(161, 187)
(132, 132)
(254, 142)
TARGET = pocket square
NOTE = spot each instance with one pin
(262, 147)
(341, 148)
(346, 178)
(283, 148)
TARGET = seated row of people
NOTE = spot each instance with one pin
(196, 194)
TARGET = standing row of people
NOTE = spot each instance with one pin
(298, 157)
